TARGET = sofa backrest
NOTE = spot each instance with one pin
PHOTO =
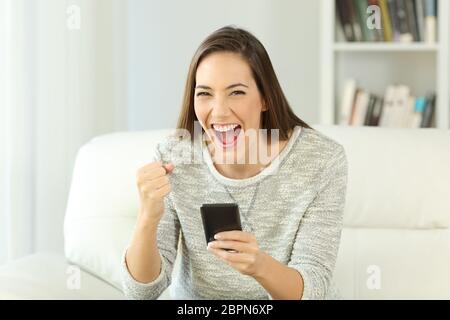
(396, 240)
(396, 237)
(103, 200)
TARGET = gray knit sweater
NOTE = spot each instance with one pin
(296, 218)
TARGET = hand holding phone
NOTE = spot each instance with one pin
(219, 217)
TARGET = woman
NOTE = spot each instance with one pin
(291, 203)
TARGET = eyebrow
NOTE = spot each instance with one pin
(229, 87)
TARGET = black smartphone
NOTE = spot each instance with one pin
(218, 217)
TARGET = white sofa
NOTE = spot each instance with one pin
(395, 244)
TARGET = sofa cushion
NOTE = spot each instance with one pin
(50, 276)
(393, 264)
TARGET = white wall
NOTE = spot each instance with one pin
(163, 36)
(78, 84)
(59, 87)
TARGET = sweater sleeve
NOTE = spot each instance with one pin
(317, 241)
(168, 233)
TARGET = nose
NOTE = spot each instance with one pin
(220, 109)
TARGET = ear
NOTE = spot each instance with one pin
(264, 107)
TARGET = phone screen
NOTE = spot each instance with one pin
(218, 217)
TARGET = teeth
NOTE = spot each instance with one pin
(224, 128)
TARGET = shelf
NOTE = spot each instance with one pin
(386, 46)
(421, 66)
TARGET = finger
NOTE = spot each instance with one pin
(153, 173)
(150, 166)
(236, 235)
(242, 247)
(162, 192)
(169, 167)
(160, 182)
(231, 257)
(218, 254)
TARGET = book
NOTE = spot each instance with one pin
(428, 113)
(430, 13)
(386, 20)
(419, 108)
(411, 18)
(361, 105)
(392, 5)
(377, 112)
(370, 110)
(354, 107)
(361, 9)
(354, 19)
(402, 18)
(347, 101)
(420, 15)
(377, 31)
(345, 19)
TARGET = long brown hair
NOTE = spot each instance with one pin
(278, 115)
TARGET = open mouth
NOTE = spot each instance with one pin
(227, 134)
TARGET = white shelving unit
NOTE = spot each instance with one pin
(423, 67)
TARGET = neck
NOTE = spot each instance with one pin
(239, 171)
(243, 171)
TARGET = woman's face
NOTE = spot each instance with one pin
(227, 101)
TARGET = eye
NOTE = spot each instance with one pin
(202, 93)
(237, 92)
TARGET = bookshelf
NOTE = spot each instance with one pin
(380, 46)
(422, 66)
